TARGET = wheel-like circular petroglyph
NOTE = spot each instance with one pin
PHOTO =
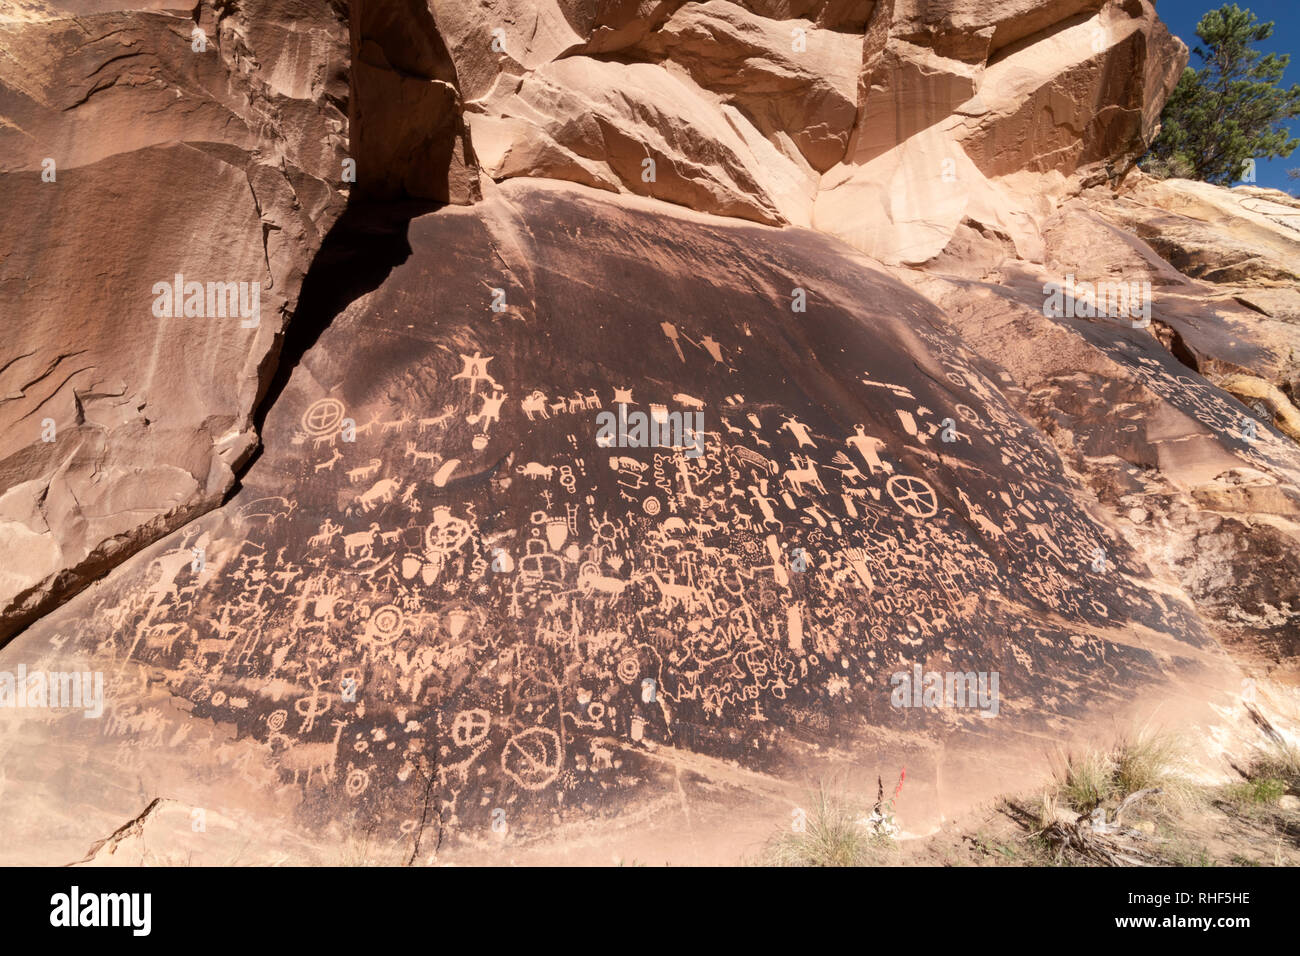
(470, 727)
(914, 495)
(651, 506)
(322, 417)
(532, 758)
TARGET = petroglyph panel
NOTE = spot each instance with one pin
(436, 581)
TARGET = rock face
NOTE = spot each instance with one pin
(532, 615)
(409, 135)
(132, 157)
(977, 117)
(890, 125)
(465, 600)
(1230, 307)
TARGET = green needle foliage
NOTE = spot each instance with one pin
(1229, 110)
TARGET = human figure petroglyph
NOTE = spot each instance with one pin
(490, 412)
(868, 446)
(799, 430)
(328, 531)
(802, 471)
(408, 498)
(475, 371)
(284, 574)
(758, 495)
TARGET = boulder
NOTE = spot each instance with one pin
(142, 150)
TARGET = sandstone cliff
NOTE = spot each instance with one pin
(439, 592)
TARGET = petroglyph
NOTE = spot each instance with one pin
(484, 584)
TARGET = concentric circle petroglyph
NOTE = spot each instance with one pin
(357, 783)
(386, 624)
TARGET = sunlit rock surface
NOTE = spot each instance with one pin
(129, 157)
(440, 617)
(474, 599)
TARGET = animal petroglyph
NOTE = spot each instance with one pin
(365, 471)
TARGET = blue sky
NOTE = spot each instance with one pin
(1181, 17)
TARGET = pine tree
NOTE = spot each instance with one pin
(1229, 110)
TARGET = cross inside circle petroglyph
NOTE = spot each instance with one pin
(322, 417)
(470, 726)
